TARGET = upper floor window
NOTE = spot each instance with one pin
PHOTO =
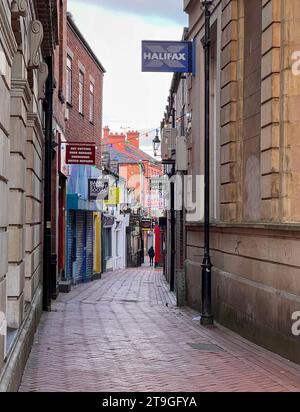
(92, 89)
(69, 80)
(81, 91)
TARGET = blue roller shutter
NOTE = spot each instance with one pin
(89, 245)
(80, 247)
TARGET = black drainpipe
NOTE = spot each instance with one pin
(48, 107)
(173, 221)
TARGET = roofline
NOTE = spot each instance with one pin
(187, 4)
(138, 150)
(137, 157)
(134, 159)
(84, 42)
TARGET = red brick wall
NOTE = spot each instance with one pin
(78, 127)
(133, 138)
(116, 139)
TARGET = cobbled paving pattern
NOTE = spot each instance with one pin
(124, 333)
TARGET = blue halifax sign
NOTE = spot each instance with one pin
(167, 56)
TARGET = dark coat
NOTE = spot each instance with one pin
(151, 252)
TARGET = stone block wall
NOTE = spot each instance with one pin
(21, 164)
(255, 243)
(25, 184)
(7, 50)
(255, 282)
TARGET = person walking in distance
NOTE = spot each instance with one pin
(151, 254)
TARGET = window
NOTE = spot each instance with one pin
(107, 243)
(92, 103)
(69, 80)
(81, 88)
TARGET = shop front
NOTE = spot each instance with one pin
(83, 227)
(107, 242)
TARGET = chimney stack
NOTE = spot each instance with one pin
(133, 138)
(106, 131)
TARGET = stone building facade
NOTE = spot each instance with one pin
(27, 37)
(255, 190)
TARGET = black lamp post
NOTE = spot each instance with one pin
(206, 315)
(156, 144)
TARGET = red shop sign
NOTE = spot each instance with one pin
(80, 154)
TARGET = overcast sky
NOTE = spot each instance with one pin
(114, 29)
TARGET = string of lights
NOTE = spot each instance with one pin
(146, 133)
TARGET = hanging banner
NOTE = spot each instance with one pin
(167, 56)
(80, 154)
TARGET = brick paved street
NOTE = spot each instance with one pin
(118, 334)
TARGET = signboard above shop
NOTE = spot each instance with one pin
(98, 189)
(168, 56)
(81, 154)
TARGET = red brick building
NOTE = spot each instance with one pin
(84, 95)
(84, 90)
(77, 117)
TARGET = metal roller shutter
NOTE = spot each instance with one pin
(89, 246)
(80, 246)
(70, 252)
(84, 246)
(79, 268)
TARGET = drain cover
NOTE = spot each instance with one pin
(208, 347)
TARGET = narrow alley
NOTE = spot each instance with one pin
(125, 333)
